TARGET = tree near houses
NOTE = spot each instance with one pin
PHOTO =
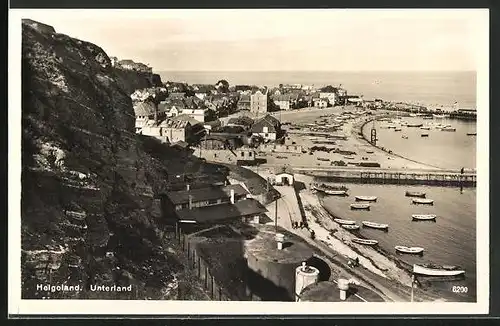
(222, 86)
(328, 89)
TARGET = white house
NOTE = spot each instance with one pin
(197, 114)
(332, 97)
(320, 102)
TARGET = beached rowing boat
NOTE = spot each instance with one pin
(375, 225)
(424, 217)
(423, 201)
(344, 222)
(410, 250)
(415, 194)
(437, 270)
(365, 241)
(350, 227)
(365, 198)
(360, 206)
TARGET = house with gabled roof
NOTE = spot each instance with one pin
(267, 127)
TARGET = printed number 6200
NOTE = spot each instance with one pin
(459, 289)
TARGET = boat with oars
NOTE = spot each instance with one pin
(435, 270)
(423, 217)
(365, 198)
(367, 242)
(374, 225)
(350, 227)
(360, 207)
(415, 194)
(410, 250)
(422, 201)
(344, 222)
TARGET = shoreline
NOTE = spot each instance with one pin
(361, 129)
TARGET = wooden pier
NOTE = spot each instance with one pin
(389, 176)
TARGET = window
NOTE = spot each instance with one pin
(250, 154)
(242, 154)
(265, 129)
(266, 135)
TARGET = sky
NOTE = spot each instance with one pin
(274, 40)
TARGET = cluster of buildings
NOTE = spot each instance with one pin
(130, 65)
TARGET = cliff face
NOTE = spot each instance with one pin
(90, 213)
(130, 80)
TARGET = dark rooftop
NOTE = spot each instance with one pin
(202, 194)
(216, 213)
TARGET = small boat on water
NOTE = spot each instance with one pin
(344, 222)
(369, 151)
(410, 250)
(397, 129)
(439, 116)
(412, 114)
(365, 198)
(350, 227)
(374, 225)
(432, 270)
(448, 129)
(425, 128)
(361, 206)
(415, 194)
(471, 134)
(424, 135)
(335, 192)
(367, 242)
(415, 125)
(423, 201)
(424, 217)
(348, 157)
(323, 159)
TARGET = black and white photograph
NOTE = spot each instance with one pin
(285, 161)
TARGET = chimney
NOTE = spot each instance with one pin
(232, 196)
(280, 238)
(187, 187)
(190, 201)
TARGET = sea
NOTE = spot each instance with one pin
(447, 89)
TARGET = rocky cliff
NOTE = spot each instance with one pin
(90, 208)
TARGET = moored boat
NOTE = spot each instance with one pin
(397, 129)
(369, 151)
(437, 270)
(448, 129)
(365, 241)
(409, 250)
(350, 227)
(427, 117)
(374, 225)
(423, 201)
(424, 135)
(439, 116)
(471, 134)
(360, 206)
(335, 192)
(415, 125)
(344, 222)
(424, 217)
(425, 128)
(365, 198)
(415, 194)
(323, 159)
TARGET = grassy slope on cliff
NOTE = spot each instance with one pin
(88, 186)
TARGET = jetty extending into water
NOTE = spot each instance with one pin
(391, 176)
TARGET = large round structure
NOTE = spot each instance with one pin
(274, 269)
(304, 276)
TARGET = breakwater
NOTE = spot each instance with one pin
(389, 176)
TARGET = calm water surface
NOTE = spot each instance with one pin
(451, 240)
